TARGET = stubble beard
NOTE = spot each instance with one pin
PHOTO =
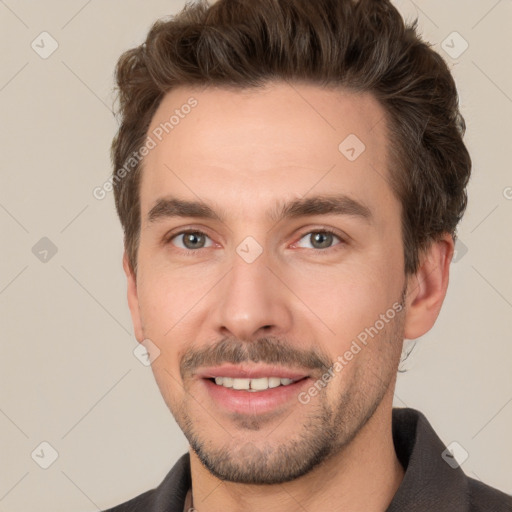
(329, 426)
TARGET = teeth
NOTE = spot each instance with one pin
(227, 382)
(241, 383)
(260, 384)
(273, 382)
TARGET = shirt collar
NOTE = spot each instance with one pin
(429, 482)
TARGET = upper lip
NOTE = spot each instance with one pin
(245, 371)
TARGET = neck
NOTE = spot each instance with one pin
(363, 477)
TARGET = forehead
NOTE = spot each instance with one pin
(259, 145)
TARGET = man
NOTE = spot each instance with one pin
(289, 175)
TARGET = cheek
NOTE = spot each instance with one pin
(168, 296)
(172, 308)
(344, 299)
(159, 324)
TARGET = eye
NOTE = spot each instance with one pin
(191, 240)
(321, 239)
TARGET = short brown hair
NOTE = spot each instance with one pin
(360, 45)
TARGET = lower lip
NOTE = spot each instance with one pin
(254, 402)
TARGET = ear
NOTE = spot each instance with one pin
(133, 299)
(426, 289)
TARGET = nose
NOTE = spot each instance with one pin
(253, 301)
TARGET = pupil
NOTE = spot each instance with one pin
(192, 239)
(323, 239)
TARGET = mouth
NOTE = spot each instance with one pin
(253, 385)
(252, 390)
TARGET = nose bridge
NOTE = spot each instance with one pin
(250, 299)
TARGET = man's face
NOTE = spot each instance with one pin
(254, 297)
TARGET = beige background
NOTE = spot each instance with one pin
(68, 374)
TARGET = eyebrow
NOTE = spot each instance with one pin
(316, 205)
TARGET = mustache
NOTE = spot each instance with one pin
(267, 350)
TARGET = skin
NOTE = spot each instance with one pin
(243, 152)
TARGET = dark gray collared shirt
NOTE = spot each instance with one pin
(430, 484)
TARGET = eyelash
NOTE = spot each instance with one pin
(326, 231)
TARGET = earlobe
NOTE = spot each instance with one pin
(427, 288)
(133, 298)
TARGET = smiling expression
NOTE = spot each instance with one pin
(264, 251)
